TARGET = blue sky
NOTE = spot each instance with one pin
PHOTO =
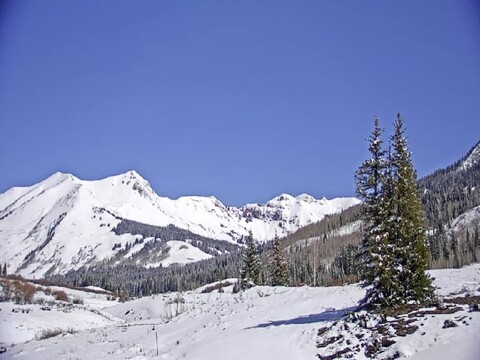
(239, 99)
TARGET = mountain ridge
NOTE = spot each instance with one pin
(64, 222)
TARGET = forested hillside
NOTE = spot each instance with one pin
(449, 198)
(324, 253)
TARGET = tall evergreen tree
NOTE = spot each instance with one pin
(370, 179)
(4, 270)
(278, 265)
(406, 231)
(250, 273)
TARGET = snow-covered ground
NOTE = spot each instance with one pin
(181, 252)
(21, 323)
(261, 323)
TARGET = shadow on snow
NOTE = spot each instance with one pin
(328, 315)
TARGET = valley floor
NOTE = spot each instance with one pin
(261, 323)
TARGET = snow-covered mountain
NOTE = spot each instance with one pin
(472, 158)
(63, 222)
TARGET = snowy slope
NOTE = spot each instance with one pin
(469, 220)
(64, 223)
(24, 322)
(180, 252)
(472, 158)
(262, 323)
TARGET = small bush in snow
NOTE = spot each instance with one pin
(48, 333)
(175, 306)
(20, 291)
(61, 295)
(78, 301)
(23, 292)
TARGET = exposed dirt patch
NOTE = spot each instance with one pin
(329, 341)
(437, 311)
(464, 300)
(336, 355)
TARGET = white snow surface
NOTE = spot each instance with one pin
(181, 252)
(262, 323)
(64, 222)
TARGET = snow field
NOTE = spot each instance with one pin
(25, 322)
(261, 323)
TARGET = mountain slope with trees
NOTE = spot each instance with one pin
(324, 253)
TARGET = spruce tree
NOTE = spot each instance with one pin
(278, 265)
(4, 270)
(407, 234)
(250, 273)
(370, 180)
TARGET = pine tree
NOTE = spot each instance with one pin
(370, 179)
(250, 273)
(4, 270)
(278, 265)
(405, 226)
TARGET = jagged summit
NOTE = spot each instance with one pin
(281, 198)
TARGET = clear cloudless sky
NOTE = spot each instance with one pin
(238, 99)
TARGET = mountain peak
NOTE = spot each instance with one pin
(60, 176)
(130, 176)
(282, 197)
(306, 198)
(133, 174)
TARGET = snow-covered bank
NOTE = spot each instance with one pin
(23, 321)
(261, 323)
